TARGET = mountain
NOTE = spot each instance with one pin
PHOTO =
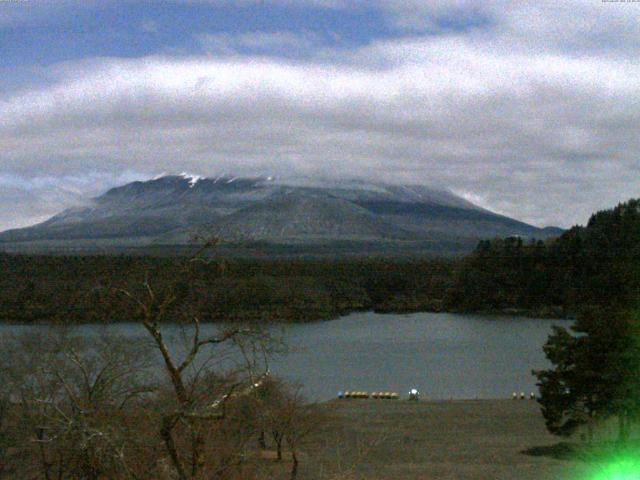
(170, 210)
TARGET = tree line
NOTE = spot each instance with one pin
(78, 289)
(591, 274)
(595, 372)
(591, 265)
(594, 265)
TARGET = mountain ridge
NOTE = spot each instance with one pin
(169, 209)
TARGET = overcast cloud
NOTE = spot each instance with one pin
(529, 109)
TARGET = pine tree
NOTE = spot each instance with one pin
(595, 373)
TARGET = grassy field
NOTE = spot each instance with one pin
(475, 439)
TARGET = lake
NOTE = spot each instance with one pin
(445, 356)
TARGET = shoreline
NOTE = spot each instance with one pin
(504, 313)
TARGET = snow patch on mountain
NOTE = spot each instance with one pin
(193, 179)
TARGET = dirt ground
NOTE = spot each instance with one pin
(475, 439)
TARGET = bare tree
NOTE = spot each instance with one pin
(5, 434)
(289, 419)
(300, 420)
(96, 407)
(72, 398)
(200, 396)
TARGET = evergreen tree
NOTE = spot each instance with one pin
(595, 374)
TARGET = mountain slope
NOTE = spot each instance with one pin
(170, 209)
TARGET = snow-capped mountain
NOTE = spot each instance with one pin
(170, 209)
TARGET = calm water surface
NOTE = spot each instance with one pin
(443, 355)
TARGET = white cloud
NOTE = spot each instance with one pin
(540, 123)
(29, 199)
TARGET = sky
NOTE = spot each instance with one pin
(528, 108)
